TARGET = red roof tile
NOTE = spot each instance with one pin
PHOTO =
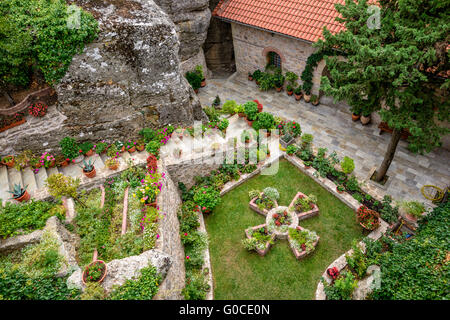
(302, 19)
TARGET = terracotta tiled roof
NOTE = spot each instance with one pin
(303, 19)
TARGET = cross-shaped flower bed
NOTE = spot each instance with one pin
(282, 223)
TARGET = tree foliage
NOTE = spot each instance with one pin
(35, 35)
(397, 69)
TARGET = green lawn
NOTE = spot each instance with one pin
(239, 274)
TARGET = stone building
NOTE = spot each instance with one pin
(277, 32)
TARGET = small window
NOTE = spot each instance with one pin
(274, 59)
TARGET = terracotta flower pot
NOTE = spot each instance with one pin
(132, 149)
(365, 120)
(241, 115)
(355, 117)
(410, 217)
(250, 123)
(91, 174)
(250, 78)
(122, 149)
(10, 163)
(307, 97)
(52, 164)
(114, 166)
(90, 153)
(298, 97)
(142, 147)
(196, 91)
(289, 93)
(24, 198)
(339, 190)
(83, 276)
(63, 164)
(203, 83)
(278, 89)
(315, 103)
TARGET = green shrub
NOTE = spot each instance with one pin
(271, 193)
(251, 110)
(69, 148)
(153, 148)
(148, 134)
(143, 288)
(229, 107)
(388, 212)
(291, 149)
(264, 120)
(196, 286)
(343, 287)
(207, 198)
(35, 34)
(347, 165)
(194, 79)
(24, 218)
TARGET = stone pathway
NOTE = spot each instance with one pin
(333, 128)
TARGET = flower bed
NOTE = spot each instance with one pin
(279, 220)
(368, 219)
(302, 241)
(304, 206)
(262, 204)
(259, 239)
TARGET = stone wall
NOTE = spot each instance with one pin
(219, 50)
(251, 47)
(191, 19)
(169, 241)
(128, 78)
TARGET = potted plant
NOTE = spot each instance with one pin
(61, 161)
(100, 147)
(412, 210)
(278, 81)
(199, 71)
(307, 87)
(207, 198)
(314, 100)
(8, 161)
(240, 111)
(150, 188)
(130, 146)
(140, 144)
(246, 136)
(340, 189)
(265, 121)
(251, 110)
(47, 160)
(291, 149)
(289, 90)
(20, 194)
(216, 101)
(365, 117)
(250, 76)
(94, 272)
(298, 93)
(89, 169)
(257, 75)
(23, 160)
(112, 163)
(194, 79)
(286, 140)
(35, 164)
(37, 109)
(367, 218)
(87, 148)
(307, 164)
(70, 149)
(260, 106)
(356, 112)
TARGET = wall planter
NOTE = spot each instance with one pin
(365, 120)
(268, 245)
(314, 209)
(9, 161)
(91, 174)
(285, 144)
(104, 271)
(301, 254)
(12, 125)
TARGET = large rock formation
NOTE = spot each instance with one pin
(128, 78)
(219, 49)
(192, 18)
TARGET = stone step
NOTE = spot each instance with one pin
(73, 170)
(15, 177)
(29, 179)
(51, 171)
(4, 183)
(126, 156)
(41, 176)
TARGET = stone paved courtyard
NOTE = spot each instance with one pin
(333, 128)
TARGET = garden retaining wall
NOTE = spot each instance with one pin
(169, 240)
